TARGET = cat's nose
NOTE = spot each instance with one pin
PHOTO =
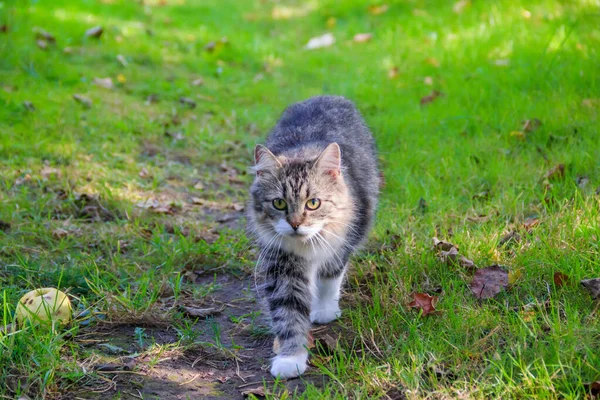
(295, 224)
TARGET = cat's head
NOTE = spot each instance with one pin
(300, 199)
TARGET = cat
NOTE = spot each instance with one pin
(312, 203)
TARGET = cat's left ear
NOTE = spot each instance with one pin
(330, 160)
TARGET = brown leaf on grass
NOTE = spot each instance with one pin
(363, 37)
(530, 223)
(393, 73)
(144, 173)
(593, 388)
(188, 102)
(560, 279)
(3, 28)
(42, 44)
(593, 286)
(530, 125)
(444, 246)
(157, 206)
(83, 100)
(489, 281)
(29, 106)
(378, 10)
(44, 35)
(452, 257)
(60, 233)
(46, 172)
(556, 172)
(196, 312)
(424, 302)
(431, 97)
(105, 83)
(94, 32)
(258, 391)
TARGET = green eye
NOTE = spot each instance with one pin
(279, 204)
(313, 204)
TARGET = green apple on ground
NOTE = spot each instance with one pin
(47, 304)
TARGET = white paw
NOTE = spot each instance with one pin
(289, 366)
(325, 315)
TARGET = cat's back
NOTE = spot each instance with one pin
(321, 120)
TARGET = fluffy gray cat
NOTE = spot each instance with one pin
(312, 203)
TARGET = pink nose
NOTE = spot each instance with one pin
(295, 224)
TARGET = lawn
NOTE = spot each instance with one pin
(130, 195)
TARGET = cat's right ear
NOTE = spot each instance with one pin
(264, 160)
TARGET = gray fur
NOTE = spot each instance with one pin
(302, 163)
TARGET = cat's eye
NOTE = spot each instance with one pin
(279, 204)
(313, 204)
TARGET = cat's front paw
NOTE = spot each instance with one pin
(289, 366)
(325, 315)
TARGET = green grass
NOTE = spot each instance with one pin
(497, 64)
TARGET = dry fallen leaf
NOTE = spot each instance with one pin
(328, 343)
(452, 257)
(187, 101)
(196, 312)
(105, 83)
(255, 391)
(83, 100)
(44, 35)
(393, 73)
(560, 279)
(441, 245)
(489, 281)
(530, 125)
(378, 10)
(530, 223)
(556, 172)
(424, 302)
(60, 233)
(431, 97)
(318, 42)
(157, 206)
(363, 37)
(593, 388)
(593, 286)
(144, 173)
(3, 28)
(94, 32)
(46, 172)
